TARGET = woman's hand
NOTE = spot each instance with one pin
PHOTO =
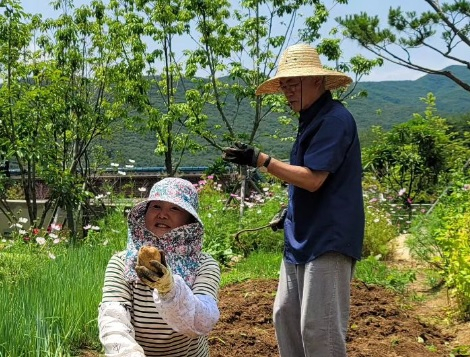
(157, 276)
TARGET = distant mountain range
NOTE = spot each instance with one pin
(396, 101)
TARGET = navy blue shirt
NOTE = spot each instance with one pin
(331, 218)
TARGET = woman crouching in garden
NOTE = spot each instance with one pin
(164, 305)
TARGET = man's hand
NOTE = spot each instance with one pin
(158, 277)
(241, 154)
(277, 222)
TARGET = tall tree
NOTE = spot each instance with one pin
(20, 107)
(238, 49)
(442, 29)
(59, 98)
(158, 27)
(87, 51)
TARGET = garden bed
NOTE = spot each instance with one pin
(381, 325)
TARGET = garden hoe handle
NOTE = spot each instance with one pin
(250, 230)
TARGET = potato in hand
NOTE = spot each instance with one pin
(148, 253)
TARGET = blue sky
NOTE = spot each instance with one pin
(387, 72)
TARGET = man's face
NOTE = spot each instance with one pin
(302, 92)
(161, 217)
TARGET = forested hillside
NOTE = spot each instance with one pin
(387, 103)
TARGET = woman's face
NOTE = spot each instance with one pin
(161, 217)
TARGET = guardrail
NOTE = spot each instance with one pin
(143, 170)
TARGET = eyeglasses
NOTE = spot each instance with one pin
(291, 86)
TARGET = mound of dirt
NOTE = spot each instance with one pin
(379, 325)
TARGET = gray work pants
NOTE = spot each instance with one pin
(311, 309)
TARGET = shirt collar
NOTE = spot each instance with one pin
(311, 112)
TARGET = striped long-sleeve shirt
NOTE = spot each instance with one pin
(135, 321)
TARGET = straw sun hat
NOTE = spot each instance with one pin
(302, 60)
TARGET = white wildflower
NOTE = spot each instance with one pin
(40, 240)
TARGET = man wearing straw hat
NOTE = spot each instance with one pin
(324, 226)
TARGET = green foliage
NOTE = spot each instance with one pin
(409, 30)
(372, 271)
(57, 97)
(460, 351)
(221, 239)
(9, 263)
(262, 265)
(52, 291)
(413, 159)
(395, 106)
(441, 240)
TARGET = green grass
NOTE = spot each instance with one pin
(55, 309)
(374, 272)
(259, 265)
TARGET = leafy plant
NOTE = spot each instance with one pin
(372, 271)
(441, 240)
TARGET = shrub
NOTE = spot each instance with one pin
(441, 239)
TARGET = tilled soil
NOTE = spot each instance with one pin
(380, 324)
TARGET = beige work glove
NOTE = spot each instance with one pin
(156, 275)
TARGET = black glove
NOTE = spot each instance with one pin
(277, 222)
(241, 154)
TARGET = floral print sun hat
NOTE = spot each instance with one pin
(182, 245)
(178, 191)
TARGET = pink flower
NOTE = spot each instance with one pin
(56, 227)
